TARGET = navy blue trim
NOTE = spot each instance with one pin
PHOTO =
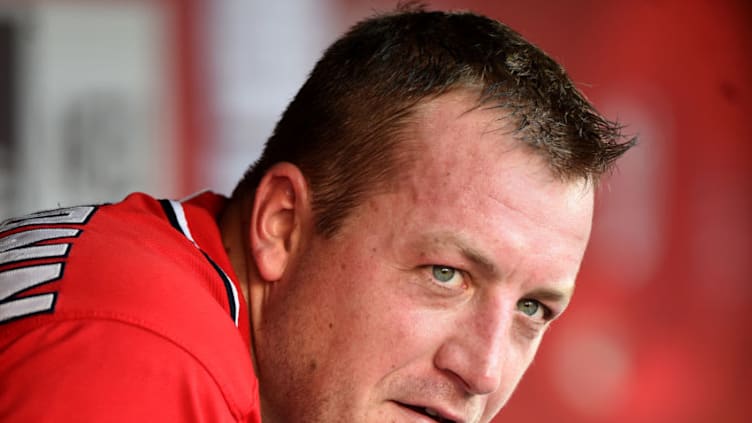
(228, 286)
(170, 213)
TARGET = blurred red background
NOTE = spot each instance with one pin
(658, 330)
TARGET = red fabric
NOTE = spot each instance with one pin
(141, 328)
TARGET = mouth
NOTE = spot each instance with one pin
(429, 412)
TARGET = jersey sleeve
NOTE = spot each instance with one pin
(105, 370)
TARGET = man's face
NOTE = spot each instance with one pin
(433, 297)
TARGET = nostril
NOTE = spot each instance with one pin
(475, 365)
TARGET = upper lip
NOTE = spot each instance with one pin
(445, 414)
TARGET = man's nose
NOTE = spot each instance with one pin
(477, 351)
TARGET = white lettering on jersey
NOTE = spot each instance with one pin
(21, 279)
(24, 246)
(72, 215)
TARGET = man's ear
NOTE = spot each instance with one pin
(281, 211)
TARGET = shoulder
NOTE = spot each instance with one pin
(121, 258)
(105, 370)
(120, 280)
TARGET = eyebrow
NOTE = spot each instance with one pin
(479, 259)
(468, 252)
(563, 295)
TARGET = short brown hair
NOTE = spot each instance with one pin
(343, 125)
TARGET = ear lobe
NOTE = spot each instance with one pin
(280, 207)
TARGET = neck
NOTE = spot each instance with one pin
(234, 226)
(234, 230)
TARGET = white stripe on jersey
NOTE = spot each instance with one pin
(177, 208)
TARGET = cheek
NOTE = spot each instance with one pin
(373, 318)
(354, 304)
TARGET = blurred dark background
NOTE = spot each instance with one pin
(98, 99)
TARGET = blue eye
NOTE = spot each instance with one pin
(443, 273)
(530, 307)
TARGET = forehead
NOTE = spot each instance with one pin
(455, 127)
(452, 134)
(469, 170)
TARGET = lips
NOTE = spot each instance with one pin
(429, 412)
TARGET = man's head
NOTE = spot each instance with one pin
(345, 124)
(417, 220)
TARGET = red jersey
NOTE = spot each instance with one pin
(123, 313)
